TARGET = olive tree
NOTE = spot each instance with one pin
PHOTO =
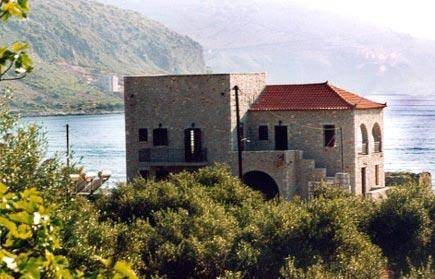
(15, 62)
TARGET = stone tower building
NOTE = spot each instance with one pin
(293, 135)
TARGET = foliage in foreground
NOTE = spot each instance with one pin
(30, 243)
(22, 162)
(208, 224)
(29, 233)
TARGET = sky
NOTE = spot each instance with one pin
(415, 17)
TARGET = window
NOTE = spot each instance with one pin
(329, 135)
(263, 133)
(160, 136)
(377, 138)
(143, 135)
(193, 145)
(377, 175)
(363, 140)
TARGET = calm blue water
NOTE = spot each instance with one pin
(98, 141)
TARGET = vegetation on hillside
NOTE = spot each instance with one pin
(77, 44)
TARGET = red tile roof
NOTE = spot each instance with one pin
(316, 96)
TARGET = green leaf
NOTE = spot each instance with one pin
(19, 46)
(24, 232)
(22, 217)
(3, 188)
(124, 270)
(8, 224)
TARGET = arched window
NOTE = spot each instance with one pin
(377, 138)
(363, 140)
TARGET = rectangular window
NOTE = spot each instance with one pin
(143, 135)
(263, 133)
(377, 175)
(160, 137)
(329, 135)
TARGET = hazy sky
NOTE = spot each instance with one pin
(416, 17)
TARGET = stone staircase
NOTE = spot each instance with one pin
(307, 172)
(311, 176)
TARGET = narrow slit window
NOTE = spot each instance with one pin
(143, 135)
(329, 135)
(160, 137)
(377, 175)
(263, 133)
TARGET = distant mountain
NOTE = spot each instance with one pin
(295, 44)
(77, 45)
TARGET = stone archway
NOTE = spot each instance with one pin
(262, 182)
(377, 137)
(363, 140)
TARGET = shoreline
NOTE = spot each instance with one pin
(70, 113)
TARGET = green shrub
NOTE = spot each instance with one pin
(30, 247)
(22, 162)
(207, 224)
(403, 226)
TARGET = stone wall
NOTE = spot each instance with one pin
(177, 103)
(207, 102)
(250, 87)
(305, 132)
(369, 118)
(280, 165)
(290, 171)
(408, 178)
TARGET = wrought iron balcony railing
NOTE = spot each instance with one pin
(160, 155)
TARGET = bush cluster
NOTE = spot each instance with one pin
(207, 224)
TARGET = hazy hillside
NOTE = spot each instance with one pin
(78, 44)
(295, 44)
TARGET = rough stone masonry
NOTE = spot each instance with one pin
(293, 135)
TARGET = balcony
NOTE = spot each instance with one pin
(171, 157)
(377, 147)
(364, 150)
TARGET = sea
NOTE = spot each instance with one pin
(98, 141)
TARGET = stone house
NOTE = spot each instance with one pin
(293, 135)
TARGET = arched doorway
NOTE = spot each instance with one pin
(262, 182)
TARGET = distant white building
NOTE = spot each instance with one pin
(114, 84)
(109, 83)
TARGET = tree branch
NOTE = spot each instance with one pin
(7, 70)
(15, 78)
